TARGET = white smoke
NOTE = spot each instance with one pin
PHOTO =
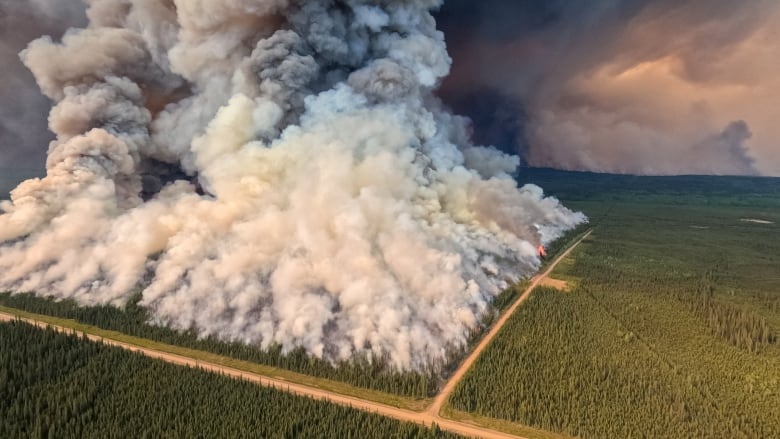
(331, 204)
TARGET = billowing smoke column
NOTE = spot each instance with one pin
(627, 86)
(271, 172)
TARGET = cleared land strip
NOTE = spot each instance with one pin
(428, 417)
(298, 389)
(445, 393)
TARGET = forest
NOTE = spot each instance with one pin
(370, 373)
(133, 320)
(572, 187)
(54, 385)
(671, 329)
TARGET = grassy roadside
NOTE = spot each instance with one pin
(245, 366)
(504, 300)
(447, 412)
(499, 425)
(559, 246)
(563, 269)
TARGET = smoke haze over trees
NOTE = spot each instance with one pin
(296, 153)
(271, 173)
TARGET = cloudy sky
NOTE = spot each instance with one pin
(23, 110)
(635, 86)
(631, 86)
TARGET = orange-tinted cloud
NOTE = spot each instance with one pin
(641, 87)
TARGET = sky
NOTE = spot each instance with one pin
(24, 136)
(629, 86)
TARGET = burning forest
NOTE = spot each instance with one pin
(271, 172)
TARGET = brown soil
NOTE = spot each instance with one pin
(557, 284)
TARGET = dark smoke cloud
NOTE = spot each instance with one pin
(271, 172)
(636, 86)
(537, 77)
(23, 109)
(496, 118)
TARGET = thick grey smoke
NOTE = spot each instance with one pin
(23, 109)
(271, 172)
(629, 86)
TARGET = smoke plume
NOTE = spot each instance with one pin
(271, 172)
(627, 86)
(23, 134)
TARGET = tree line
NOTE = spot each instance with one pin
(560, 364)
(372, 373)
(670, 331)
(54, 385)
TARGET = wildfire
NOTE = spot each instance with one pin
(542, 252)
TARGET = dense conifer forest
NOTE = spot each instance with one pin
(133, 320)
(373, 374)
(54, 385)
(670, 328)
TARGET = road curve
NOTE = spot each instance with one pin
(428, 417)
(444, 394)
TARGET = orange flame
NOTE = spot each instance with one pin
(542, 252)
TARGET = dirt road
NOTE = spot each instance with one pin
(445, 393)
(427, 417)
